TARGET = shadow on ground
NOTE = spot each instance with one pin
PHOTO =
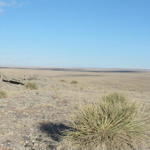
(54, 130)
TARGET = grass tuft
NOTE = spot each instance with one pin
(112, 124)
(74, 82)
(3, 94)
(62, 80)
(31, 86)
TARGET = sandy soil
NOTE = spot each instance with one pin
(34, 119)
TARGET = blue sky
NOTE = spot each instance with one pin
(75, 33)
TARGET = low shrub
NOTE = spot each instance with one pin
(112, 124)
(31, 86)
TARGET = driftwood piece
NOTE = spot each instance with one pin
(4, 78)
(13, 82)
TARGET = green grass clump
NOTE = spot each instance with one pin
(3, 94)
(31, 86)
(112, 124)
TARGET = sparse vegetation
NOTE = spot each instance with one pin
(74, 82)
(62, 80)
(112, 124)
(31, 86)
(24, 110)
(3, 94)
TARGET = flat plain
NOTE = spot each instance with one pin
(34, 119)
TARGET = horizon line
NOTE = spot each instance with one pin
(69, 68)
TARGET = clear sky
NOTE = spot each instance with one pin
(75, 33)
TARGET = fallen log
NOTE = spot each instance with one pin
(13, 82)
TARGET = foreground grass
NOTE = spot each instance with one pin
(112, 124)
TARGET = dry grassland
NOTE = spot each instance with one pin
(34, 119)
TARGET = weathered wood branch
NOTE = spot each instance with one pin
(13, 82)
(4, 78)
